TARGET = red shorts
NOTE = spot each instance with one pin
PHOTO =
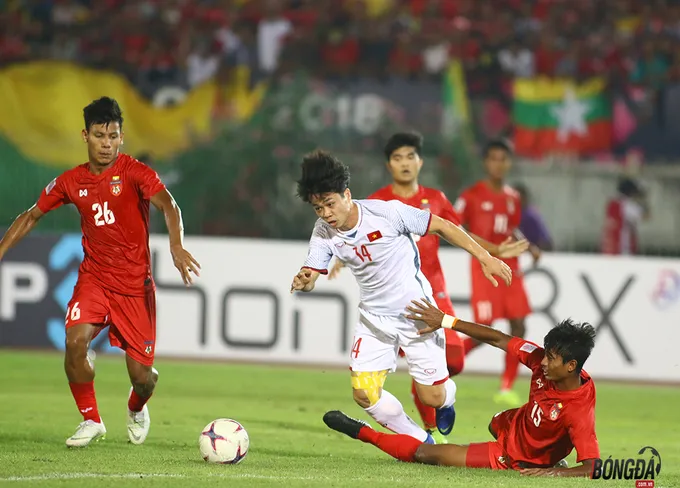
(503, 302)
(491, 455)
(487, 455)
(131, 319)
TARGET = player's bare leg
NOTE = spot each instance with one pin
(442, 397)
(385, 408)
(455, 361)
(506, 395)
(400, 446)
(442, 455)
(143, 378)
(80, 373)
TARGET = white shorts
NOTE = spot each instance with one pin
(376, 344)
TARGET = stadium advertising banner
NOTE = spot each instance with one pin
(241, 307)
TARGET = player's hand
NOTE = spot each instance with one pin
(424, 311)
(185, 263)
(301, 280)
(492, 266)
(539, 472)
(512, 249)
(335, 271)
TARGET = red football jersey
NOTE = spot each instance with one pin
(491, 215)
(114, 218)
(435, 202)
(553, 422)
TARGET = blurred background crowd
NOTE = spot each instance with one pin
(632, 46)
(634, 43)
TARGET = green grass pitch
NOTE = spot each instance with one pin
(281, 408)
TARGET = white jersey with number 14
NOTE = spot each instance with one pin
(380, 252)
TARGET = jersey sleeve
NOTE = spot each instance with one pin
(581, 430)
(409, 220)
(54, 195)
(320, 253)
(448, 212)
(147, 180)
(376, 196)
(528, 353)
(463, 207)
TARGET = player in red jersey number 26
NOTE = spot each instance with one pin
(115, 288)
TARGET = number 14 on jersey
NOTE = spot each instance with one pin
(362, 253)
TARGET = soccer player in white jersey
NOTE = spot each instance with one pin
(374, 240)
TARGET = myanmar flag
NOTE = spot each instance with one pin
(559, 116)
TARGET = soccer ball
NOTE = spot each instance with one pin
(223, 441)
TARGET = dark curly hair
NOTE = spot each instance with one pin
(571, 340)
(402, 139)
(321, 173)
(104, 110)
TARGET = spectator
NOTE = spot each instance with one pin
(624, 213)
(517, 61)
(271, 32)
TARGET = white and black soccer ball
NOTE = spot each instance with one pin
(223, 441)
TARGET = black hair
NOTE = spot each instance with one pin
(497, 144)
(629, 187)
(571, 340)
(321, 173)
(402, 139)
(104, 110)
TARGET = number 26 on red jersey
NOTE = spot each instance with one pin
(102, 214)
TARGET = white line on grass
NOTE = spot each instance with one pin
(72, 476)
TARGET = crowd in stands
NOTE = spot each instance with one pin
(190, 41)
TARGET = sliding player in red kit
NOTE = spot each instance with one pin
(534, 438)
(404, 161)
(115, 288)
(493, 210)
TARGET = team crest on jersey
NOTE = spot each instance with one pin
(511, 206)
(425, 204)
(116, 186)
(555, 411)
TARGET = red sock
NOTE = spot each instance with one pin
(83, 394)
(455, 359)
(136, 403)
(400, 446)
(428, 414)
(469, 345)
(510, 373)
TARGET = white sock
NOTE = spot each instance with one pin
(450, 388)
(389, 413)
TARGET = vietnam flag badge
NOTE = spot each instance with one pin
(374, 236)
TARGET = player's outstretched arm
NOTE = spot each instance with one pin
(434, 318)
(184, 261)
(509, 248)
(21, 226)
(585, 470)
(457, 236)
